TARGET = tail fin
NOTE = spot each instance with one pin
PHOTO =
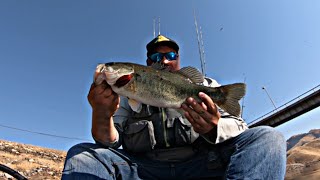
(233, 93)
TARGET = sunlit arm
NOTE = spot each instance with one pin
(103, 130)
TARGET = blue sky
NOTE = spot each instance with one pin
(49, 51)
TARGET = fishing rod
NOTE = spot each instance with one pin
(12, 172)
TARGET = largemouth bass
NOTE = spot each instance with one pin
(162, 88)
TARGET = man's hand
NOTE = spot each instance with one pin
(203, 116)
(103, 100)
(104, 103)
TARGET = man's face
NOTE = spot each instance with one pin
(172, 65)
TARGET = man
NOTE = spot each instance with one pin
(161, 143)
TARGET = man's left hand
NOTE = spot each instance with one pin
(203, 116)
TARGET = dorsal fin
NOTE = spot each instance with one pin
(192, 73)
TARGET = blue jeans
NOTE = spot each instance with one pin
(257, 153)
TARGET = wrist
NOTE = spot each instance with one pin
(211, 136)
(104, 132)
(101, 115)
(104, 137)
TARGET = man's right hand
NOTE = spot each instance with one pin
(103, 100)
(104, 103)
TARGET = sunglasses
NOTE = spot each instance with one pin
(157, 57)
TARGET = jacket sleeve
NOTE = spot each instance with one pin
(228, 126)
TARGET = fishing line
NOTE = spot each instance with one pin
(44, 134)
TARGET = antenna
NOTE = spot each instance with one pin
(159, 24)
(203, 54)
(154, 27)
(242, 106)
(200, 44)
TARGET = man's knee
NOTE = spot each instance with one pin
(85, 159)
(271, 133)
(270, 137)
(79, 149)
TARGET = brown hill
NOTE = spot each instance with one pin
(303, 156)
(33, 162)
(301, 139)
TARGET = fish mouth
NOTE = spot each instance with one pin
(123, 80)
(111, 75)
(117, 76)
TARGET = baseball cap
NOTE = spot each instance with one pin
(160, 39)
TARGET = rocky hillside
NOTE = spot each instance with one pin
(36, 162)
(33, 162)
(301, 139)
(303, 156)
